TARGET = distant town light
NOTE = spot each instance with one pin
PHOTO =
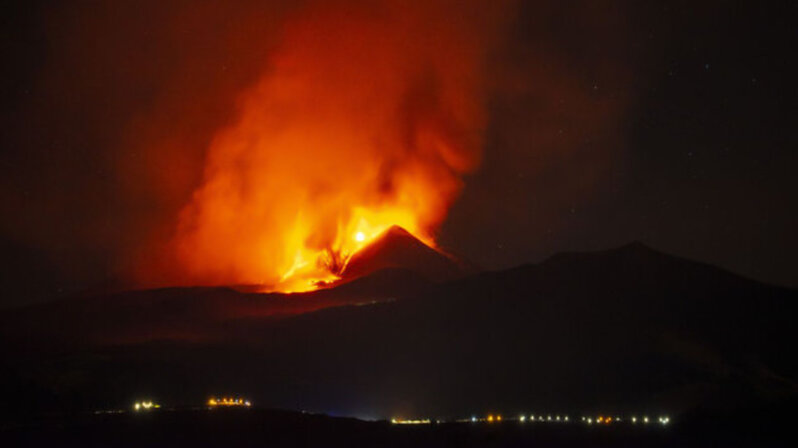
(522, 418)
(645, 419)
(145, 405)
(228, 402)
(399, 421)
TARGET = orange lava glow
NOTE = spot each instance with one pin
(367, 117)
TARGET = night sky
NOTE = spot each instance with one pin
(700, 162)
(671, 123)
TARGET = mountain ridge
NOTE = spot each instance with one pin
(597, 332)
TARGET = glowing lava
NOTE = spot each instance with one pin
(367, 117)
(312, 269)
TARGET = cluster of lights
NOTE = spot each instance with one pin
(548, 418)
(540, 418)
(664, 420)
(491, 418)
(149, 405)
(227, 401)
(399, 421)
(522, 418)
(145, 406)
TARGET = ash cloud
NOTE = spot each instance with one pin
(132, 111)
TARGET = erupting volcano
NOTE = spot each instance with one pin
(397, 248)
(358, 124)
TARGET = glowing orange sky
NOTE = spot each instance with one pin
(366, 117)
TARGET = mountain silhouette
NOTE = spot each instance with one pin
(398, 248)
(621, 330)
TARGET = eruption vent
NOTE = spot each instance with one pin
(367, 117)
(398, 249)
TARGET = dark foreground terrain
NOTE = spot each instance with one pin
(623, 330)
(268, 428)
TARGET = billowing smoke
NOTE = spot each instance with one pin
(366, 116)
(219, 142)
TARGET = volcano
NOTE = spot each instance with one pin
(396, 248)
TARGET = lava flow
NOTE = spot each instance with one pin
(312, 268)
(367, 117)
